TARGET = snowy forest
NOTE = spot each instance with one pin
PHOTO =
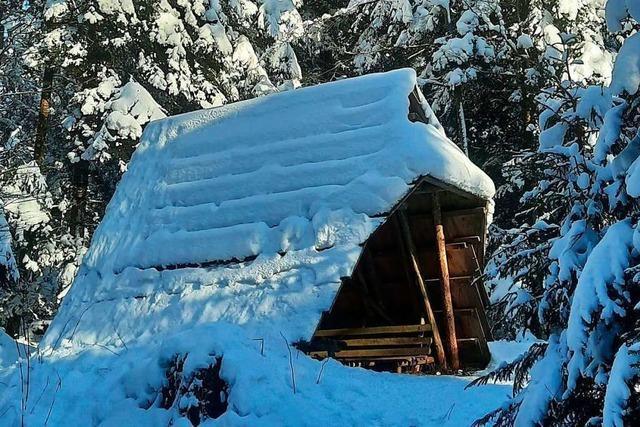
(542, 95)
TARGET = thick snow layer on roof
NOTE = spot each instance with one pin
(260, 174)
(242, 220)
(290, 185)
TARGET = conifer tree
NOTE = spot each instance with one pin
(587, 373)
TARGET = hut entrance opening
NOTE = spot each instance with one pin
(416, 285)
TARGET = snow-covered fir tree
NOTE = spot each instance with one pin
(576, 265)
(569, 49)
(188, 55)
(35, 253)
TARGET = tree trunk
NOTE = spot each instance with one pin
(42, 128)
(461, 127)
(80, 181)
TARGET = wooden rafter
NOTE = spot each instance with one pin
(376, 330)
(409, 248)
(370, 303)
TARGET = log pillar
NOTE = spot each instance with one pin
(450, 324)
(409, 249)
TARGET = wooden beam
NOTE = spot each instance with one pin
(467, 278)
(370, 304)
(375, 352)
(449, 188)
(386, 342)
(480, 212)
(410, 249)
(425, 251)
(467, 239)
(326, 344)
(377, 330)
(450, 323)
(459, 311)
(368, 263)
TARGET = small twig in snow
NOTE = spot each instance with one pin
(324, 362)
(124, 344)
(261, 345)
(450, 411)
(40, 397)
(293, 372)
(55, 393)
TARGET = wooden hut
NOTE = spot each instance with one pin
(338, 216)
(416, 296)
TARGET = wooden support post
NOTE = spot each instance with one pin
(450, 323)
(370, 271)
(369, 302)
(410, 249)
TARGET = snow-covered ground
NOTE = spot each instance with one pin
(10, 350)
(99, 387)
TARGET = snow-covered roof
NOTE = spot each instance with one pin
(252, 212)
(232, 225)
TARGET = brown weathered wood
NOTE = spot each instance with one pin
(467, 278)
(420, 359)
(450, 323)
(467, 239)
(468, 311)
(370, 271)
(391, 341)
(479, 212)
(470, 326)
(375, 352)
(458, 254)
(370, 302)
(411, 251)
(377, 330)
(464, 212)
(437, 185)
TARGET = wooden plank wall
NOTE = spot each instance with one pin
(381, 291)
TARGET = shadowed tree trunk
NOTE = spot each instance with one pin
(80, 180)
(42, 129)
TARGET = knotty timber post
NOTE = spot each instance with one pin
(450, 323)
(410, 249)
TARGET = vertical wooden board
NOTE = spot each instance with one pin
(383, 239)
(460, 262)
(422, 230)
(459, 226)
(462, 225)
(471, 327)
(405, 240)
(388, 267)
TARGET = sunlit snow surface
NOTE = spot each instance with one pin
(232, 228)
